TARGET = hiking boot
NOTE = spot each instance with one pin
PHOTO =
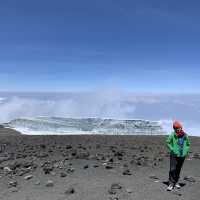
(170, 187)
(177, 186)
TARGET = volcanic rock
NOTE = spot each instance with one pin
(63, 174)
(49, 183)
(189, 179)
(127, 172)
(13, 184)
(70, 190)
(114, 187)
(28, 177)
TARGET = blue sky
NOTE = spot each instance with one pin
(76, 45)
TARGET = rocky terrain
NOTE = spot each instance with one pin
(92, 167)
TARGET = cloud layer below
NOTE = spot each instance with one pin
(104, 104)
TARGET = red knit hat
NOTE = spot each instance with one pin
(177, 124)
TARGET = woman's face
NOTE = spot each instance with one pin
(177, 130)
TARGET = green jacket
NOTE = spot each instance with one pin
(172, 144)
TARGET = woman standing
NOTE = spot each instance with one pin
(178, 145)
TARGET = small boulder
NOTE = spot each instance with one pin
(127, 172)
(7, 169)
(49, 183)
(189, 179)
(68, 147)
(13, 184)
(196, 156)
(28, 177)
(114, 187)
(37, 182)
(70, 170)
(108, 166)
(14, 189)
(43, 155)
(129, 190)
(47, 169)
(70, 190)
(63, 174)
(112, 191)
(86, 167)
(153, 176)
(113, 198)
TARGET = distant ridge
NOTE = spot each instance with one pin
(8, 131)
(57, 125)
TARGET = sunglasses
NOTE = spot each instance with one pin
(178, 129)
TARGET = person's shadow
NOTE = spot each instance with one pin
(167, 183)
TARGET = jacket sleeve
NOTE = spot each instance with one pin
(169, 143)
(187, 147)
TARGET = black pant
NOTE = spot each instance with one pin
(176, 164)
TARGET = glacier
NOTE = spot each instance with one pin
(58, 125)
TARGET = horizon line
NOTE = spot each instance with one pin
(92, 91)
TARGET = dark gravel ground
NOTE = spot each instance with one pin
(92, 167)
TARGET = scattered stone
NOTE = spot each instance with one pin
(2, 159)
(49, 183)
(139, 163)
(112, 191)
(63, 174)
(47, 168)
(92, 157)
(127, 172)
(125, 165)
(12, 184)
(189, 179)
(7, 169)
(43, 155)
(82, 155)
(111, 160)
(113, 198)
(28, 177)
(99, 157)
(108, 166)
(74, 153)
(14, 189)
(70, 170)
(29, 165)
(129, 190)
(37, 182)
(196, 155)
(153, 177)
(23, 172)
(42, 146)
(86, 167)
(70, 190)
(120, 158)
(176, 193)
(114, 187)
(68, 147)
